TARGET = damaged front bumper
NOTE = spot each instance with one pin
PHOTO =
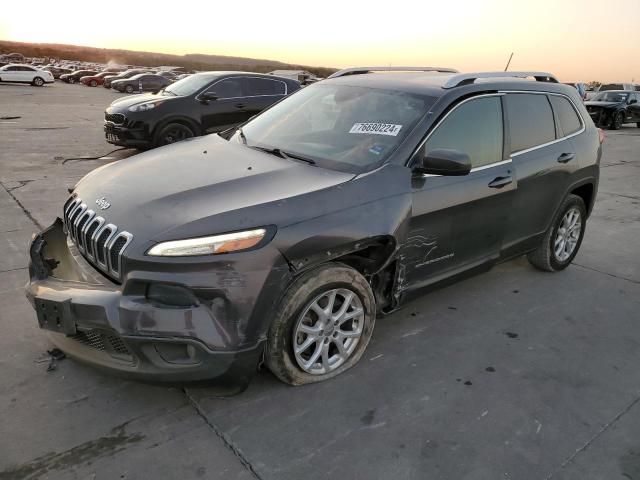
(117, 328)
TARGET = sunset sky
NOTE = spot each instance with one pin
(577, 40)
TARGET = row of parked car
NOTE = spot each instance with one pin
(611, 105)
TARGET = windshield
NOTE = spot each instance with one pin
(188, 85)
(610, 97)
(346, 128)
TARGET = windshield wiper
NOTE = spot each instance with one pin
(278, 152)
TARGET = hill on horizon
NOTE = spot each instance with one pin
(192, 61)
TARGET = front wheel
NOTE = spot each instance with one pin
(37, 82)
(128, 89)
(563, 239)
(172, 133)
(93, 83)
(616, 121)
(322, 326)
(71, 80)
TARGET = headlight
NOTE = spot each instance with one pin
(143, 107)
(229, 242)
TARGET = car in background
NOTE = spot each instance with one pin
(616, 86)
(173, 76)
(121, 76)
(20, 73)
(57, 71)
(95, 80)
(76, 76)
(144, 82)
(202, 103)
(613, 108)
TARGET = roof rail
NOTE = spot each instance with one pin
(468, 78)
(361, 70)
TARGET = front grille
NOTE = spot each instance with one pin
(104, 342)
(116, 118)
(101, 243)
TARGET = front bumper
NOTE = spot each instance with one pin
(96, 322)
(136, 136)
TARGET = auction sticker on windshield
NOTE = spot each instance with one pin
(376, 128)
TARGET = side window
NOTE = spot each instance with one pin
(566, 114)
(474, 128)
(264, 86)
(530, 120)
(229, 88)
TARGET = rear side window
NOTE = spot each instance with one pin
(474, 128)
(264, 86)
(566, 114)
(530, 120)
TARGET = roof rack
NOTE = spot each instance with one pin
(362, 70)
(468, 78)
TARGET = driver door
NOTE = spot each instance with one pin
(228, 109)
(458, 222)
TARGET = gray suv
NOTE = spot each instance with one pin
(282, 240)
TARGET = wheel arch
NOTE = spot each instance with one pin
(186, 121)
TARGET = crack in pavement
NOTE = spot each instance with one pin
(24, 209)
(607, 273)
(599, 433)
(632, 197)
(220, 434)
(13, 269)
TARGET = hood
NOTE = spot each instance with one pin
(200, 186)
(602, 104)
(126, 102)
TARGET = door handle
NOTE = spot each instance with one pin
(500, 182)
(566, 157)
(239, 105)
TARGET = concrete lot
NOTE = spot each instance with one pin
(514, 374)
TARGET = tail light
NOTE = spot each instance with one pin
(601, 135)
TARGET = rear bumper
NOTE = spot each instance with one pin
(125, 334)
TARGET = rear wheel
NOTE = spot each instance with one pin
(616, 121)
(322, 326)
(37, 81)
(93, 83)
(563, 239)
(172, 133)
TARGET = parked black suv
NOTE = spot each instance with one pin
(283, 240)
(199, 104)
(613, 108)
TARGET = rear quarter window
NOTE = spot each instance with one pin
(566, 115)
(530, 120)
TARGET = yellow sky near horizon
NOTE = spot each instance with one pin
(576, 40)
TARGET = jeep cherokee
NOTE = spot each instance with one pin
(281, 241)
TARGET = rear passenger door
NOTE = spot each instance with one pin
(262, 93)
(459, 222)
(543, 158)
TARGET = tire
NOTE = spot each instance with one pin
(616, 121)
(93, 83)
(295, 317)
(37, 82)
(546, 257)
(71, 80)
(128, 89)
(172, 133)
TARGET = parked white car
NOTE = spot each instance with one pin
(20, 73)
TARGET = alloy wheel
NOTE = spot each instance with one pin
(567, 235)
(328, 331)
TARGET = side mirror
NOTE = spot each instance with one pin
(209, 96)
(443, 161)
(632, 101)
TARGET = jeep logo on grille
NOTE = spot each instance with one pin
(102, 203)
